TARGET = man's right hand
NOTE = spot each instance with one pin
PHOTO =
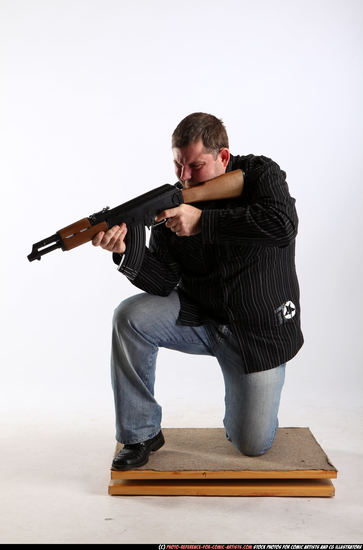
(112, 240)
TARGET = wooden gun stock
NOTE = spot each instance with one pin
(226, 186)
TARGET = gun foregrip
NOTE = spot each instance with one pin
(80, 232)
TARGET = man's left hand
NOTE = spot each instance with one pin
(184, 220)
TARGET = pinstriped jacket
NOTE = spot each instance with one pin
(240, 270)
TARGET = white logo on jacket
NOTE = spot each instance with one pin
(286, 311)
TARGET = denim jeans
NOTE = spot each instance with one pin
(144, 323)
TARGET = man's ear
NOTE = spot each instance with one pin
(224, 155)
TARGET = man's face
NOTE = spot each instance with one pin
(194, 165)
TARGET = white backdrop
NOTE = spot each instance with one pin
(90, 94)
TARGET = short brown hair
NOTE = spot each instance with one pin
(208, 128)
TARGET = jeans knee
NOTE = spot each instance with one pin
(252, 450)
(251, 446)
(119, 317)
(128, 311)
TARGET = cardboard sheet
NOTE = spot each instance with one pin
(208, 449)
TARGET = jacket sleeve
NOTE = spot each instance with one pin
(159, 273)
(266, 217)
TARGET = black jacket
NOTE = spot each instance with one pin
(240, 270)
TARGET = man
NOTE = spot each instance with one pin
(220, 280)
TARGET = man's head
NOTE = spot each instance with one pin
(200, 148)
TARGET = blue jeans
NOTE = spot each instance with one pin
(144, 323)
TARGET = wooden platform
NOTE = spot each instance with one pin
(201, 462)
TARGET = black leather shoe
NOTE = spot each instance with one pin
(137, 454)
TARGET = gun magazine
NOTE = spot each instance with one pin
(135, 251)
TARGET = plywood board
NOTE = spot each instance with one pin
(200, 461)
(224, 474)
(265, 488)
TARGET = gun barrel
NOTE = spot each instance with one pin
(44, 246)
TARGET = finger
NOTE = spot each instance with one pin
(116, 243)
(170, 222)
(175, 224)
(120, 245)
(110, 234)
(122, 234)
(113, 240)
(96, 241)
(166, 214)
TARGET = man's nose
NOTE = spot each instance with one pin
(185, 173)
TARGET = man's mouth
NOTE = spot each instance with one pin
(190, 183)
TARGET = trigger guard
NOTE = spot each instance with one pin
(159, 223)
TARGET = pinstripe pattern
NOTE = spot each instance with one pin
(240, 270)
